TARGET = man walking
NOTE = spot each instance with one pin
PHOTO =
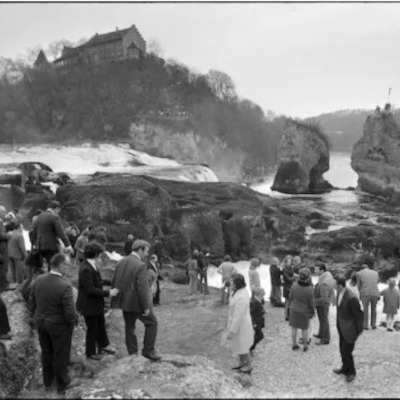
(324, 296)
(48, 230)
(52, 303)
(367, 283)
(134, 299)
(349, 325)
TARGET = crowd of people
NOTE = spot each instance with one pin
(41, 276)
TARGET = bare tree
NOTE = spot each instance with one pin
(221, 84)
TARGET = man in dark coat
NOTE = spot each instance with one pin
(349, 323)
(90, 303)
(52, 302)
(134, 299)
(257, 313)
(48, 230)
(276, 283)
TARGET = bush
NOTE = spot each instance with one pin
(180, 276)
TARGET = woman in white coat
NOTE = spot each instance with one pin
(239, 326)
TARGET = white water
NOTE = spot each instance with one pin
(89, 158)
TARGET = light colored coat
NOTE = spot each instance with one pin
(254, 279)
(367, 282)
(239, 322)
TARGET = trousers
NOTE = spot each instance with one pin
(324, 329)
(258, 336)
(150, 332)
(55, 342)
(17, 269)
(346, 352)
(366, 301)
(95, 333)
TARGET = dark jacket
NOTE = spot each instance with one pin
(16, 246)
(47, 230)
(128, 247)
(302, 297)
(91, 295)
(350, 317)
(288, 279)
(275, 274)
(257, 313)
(130, 277)
(51, 297)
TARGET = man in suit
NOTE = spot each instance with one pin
(48, 230)
(276, 283)
(349, 324)
(134, 299)
(90, 303)
(52, 302)
(367, 283)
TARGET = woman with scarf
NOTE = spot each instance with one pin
(302, 307)
(324, 293)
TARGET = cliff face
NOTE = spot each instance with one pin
(376, 156)
(304, 157)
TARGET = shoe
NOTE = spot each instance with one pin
(96, 357)
(305, 348)
(108, 350)
(5, 336)
(374, 327)
(246, 369)
(295, 347)
(238, 367)
(390, 329)
(133, 354)
(365, 329)
(317, 336)
(339, 371)
(301, 341)
(322, 342)
(350, 378)
(286, 319)
(152, 356)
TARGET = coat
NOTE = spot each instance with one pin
(324, 290)
(302, 299)
(349, 317)
(51, 297)
(47, 230)
(131, 278)
(91, 295)
(275, 274)
(16, 246)
(254, 279)
(367, 282)
(288, 279)
(257, 313)
(239, 322)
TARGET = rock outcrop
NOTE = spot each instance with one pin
(376, 156)
(304, 157)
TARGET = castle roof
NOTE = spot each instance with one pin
(41, 59)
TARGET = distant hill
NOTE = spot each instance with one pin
(345, 127)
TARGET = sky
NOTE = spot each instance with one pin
(296, 59)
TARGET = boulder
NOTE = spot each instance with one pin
(376, 156)
(303, 158)
(174, 377)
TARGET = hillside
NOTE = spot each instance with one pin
(158, 107)
(345, 127)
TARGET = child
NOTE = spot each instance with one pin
(391, 300)
(257, 316)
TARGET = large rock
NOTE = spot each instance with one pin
(304, 157)
(376, 156)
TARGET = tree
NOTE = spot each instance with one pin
(221, 84)
(154, 47)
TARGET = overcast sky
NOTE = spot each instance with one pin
(294, 59)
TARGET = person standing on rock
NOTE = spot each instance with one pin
(367, 283)
(239, 330)
(276, 283)
(324, 293)
(227, 270)
(52, 302)
(131, 280)
(254, 276)
(48, 230)
(288, 279)
(90, 303)
(349, 322)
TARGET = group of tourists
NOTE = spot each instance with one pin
(302, 301)
(196, 267)
(53, 301)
